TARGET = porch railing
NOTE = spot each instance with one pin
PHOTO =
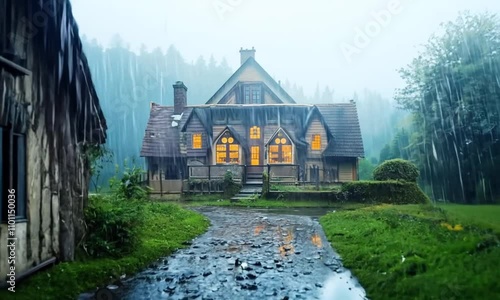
(288, 174)
(216, 172)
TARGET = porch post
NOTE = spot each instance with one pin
(161, 185)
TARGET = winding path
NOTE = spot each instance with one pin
(288, 257)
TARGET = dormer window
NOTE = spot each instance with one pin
(252, 94)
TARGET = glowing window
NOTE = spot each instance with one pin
(286, 153)
(255, 133)
(255, 155)
(316, 142)
(227, 150)
(280, 151)
(197, 141)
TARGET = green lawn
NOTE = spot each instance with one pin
(420, 252)
(484, 215)
(165, 229)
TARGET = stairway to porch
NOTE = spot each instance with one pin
(251, 188)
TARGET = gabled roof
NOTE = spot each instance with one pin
(291, 135)
(267, 80)
(161, 139)
(342, 121)
(239, 138)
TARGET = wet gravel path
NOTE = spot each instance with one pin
(288, 257)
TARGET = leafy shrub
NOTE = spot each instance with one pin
(392, 192)
(231, 187)
(396, 169)
(130, 185)
(112, 226)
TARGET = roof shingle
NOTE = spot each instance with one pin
(342, 120)
(161, 139)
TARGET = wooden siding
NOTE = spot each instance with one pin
(346, 171)
(316, 127)
(250, 74)
(56, 108)
(231, 97)
(183, 139)
(166, 186)
(195, 126)
(269, 131)
(268, 99)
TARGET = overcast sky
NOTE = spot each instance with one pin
(347, 44)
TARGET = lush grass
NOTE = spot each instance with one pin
(166, 227)
(484, 215)
(447, 255)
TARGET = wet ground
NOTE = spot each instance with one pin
(284, 255)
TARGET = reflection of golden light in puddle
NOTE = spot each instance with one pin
(316, 240)
(258, 229)
(287, 247)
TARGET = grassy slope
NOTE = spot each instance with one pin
(483, 215)
(439, 263)
(167, 226)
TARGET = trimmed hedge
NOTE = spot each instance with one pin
(391, 192)
(396, 169)
(367, 192)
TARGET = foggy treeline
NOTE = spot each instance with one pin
(127, 82)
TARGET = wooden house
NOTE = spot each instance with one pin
(249, 126)
(49, 117)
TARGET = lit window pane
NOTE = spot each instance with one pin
(287, 153)
(316, 142)
(255, 133)
(197, 141)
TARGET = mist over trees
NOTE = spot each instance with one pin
(453, 92)
(127, 82)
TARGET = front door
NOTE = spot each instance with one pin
(256, 153)
(255, 156)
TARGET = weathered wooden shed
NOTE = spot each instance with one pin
(49, 116)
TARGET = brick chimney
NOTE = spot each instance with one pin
(180, 97)
(246, 54)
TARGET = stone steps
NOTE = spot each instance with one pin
(248, 191)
